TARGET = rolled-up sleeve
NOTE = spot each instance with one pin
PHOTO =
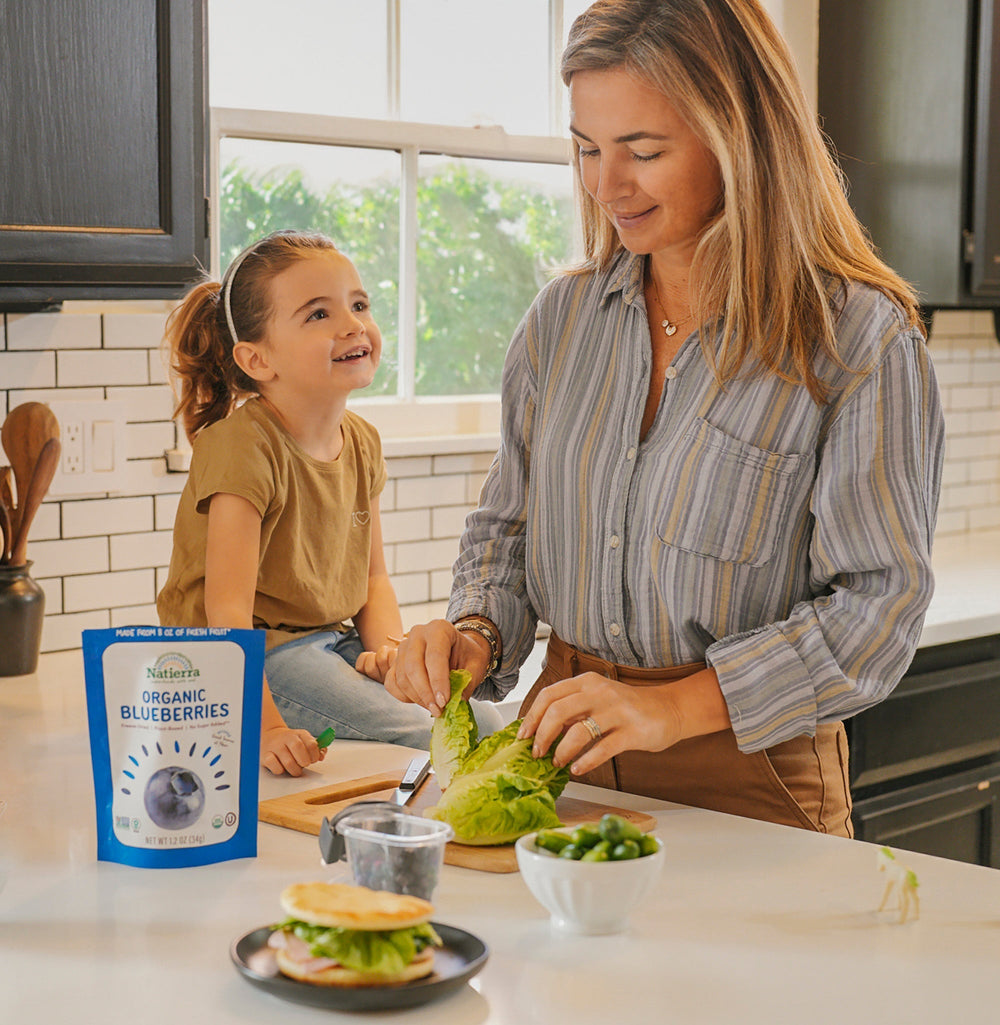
(874, 506)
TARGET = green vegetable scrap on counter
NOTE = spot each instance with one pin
(613, 838)
(494, 790)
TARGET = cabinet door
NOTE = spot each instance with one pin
(955, 817)
(102, 112)
(986, 166)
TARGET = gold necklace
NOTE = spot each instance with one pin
(669, 326)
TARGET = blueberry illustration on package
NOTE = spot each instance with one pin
(174, 717)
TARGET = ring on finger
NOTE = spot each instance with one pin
(591, 727)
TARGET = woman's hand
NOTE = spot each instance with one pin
(377, 664)
(629, 718)
(419, 673)
(285, 750)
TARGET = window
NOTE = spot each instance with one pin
(428, 138)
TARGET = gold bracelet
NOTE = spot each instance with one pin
(485, 629)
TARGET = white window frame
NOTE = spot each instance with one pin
(404, 414)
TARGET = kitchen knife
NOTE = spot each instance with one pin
(416, 773)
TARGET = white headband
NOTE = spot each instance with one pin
(228, 287)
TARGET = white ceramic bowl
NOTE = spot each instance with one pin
(591, 898)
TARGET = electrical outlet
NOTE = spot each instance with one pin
(73, 461)
(94, 455)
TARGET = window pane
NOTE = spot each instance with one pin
(488, 233)
(571, 9)
(476, 63)
(350, 194)
(310, 56)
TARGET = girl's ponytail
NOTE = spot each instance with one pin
(207, 381)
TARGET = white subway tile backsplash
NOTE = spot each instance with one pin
(106, 367)
(135, 615)
(951, 521)
(440, 584)
(428, 492)
(157, 363)
(108, 590)
(411, 588)
(986, 518)
(166, 511)
(463, 462)
(406, 525)
(53, 331)
(20, 370)
(426, 555)
(131, 551)
(46, 524)
(145, 403)
(104, 516)
(63, 558)
(64, 632)
(147, 441)
(409, 466)
(133, 330)
(52, 588)
(448, 520)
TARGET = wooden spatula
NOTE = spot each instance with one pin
(41, 478)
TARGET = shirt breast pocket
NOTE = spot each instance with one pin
(727, 499)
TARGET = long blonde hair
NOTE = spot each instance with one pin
(768, 267)
(205, 376)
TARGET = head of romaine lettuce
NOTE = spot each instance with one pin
(496, 790)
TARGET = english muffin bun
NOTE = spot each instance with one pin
(318, 942)
(353, 907)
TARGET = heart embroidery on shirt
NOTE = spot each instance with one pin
(360, 517)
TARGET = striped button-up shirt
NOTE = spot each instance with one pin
(784, 542)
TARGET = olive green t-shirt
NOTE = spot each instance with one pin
(315, 538)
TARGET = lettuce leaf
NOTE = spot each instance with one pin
(384, 952)
(454, 732)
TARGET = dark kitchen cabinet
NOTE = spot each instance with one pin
(925, 763)
(909, 94)
(103, 166)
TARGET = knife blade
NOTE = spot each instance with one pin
(416, 773)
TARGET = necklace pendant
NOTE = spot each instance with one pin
(669, 329)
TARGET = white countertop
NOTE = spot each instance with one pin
(966, 600)
(750, 922)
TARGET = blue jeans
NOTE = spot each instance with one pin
(315, 685)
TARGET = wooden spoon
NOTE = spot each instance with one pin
(41, 478)
(6, 532)
(7, 504)
(24, 434)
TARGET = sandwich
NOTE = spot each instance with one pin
(340, 935)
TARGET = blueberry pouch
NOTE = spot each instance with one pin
(174, 718)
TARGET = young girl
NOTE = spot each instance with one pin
(278, 526)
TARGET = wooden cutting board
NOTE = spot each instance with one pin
(306, 810)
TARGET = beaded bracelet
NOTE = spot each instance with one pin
(487, 630)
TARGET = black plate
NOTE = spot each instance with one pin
(460, 957)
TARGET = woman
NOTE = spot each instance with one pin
(721, 443)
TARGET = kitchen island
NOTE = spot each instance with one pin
(750, 922)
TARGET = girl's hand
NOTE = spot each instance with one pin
(284, 750)
(376, 664)
(419, 674)
(629, 719)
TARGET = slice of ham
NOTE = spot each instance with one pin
(298, 951)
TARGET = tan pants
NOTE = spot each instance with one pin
(802, 782)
